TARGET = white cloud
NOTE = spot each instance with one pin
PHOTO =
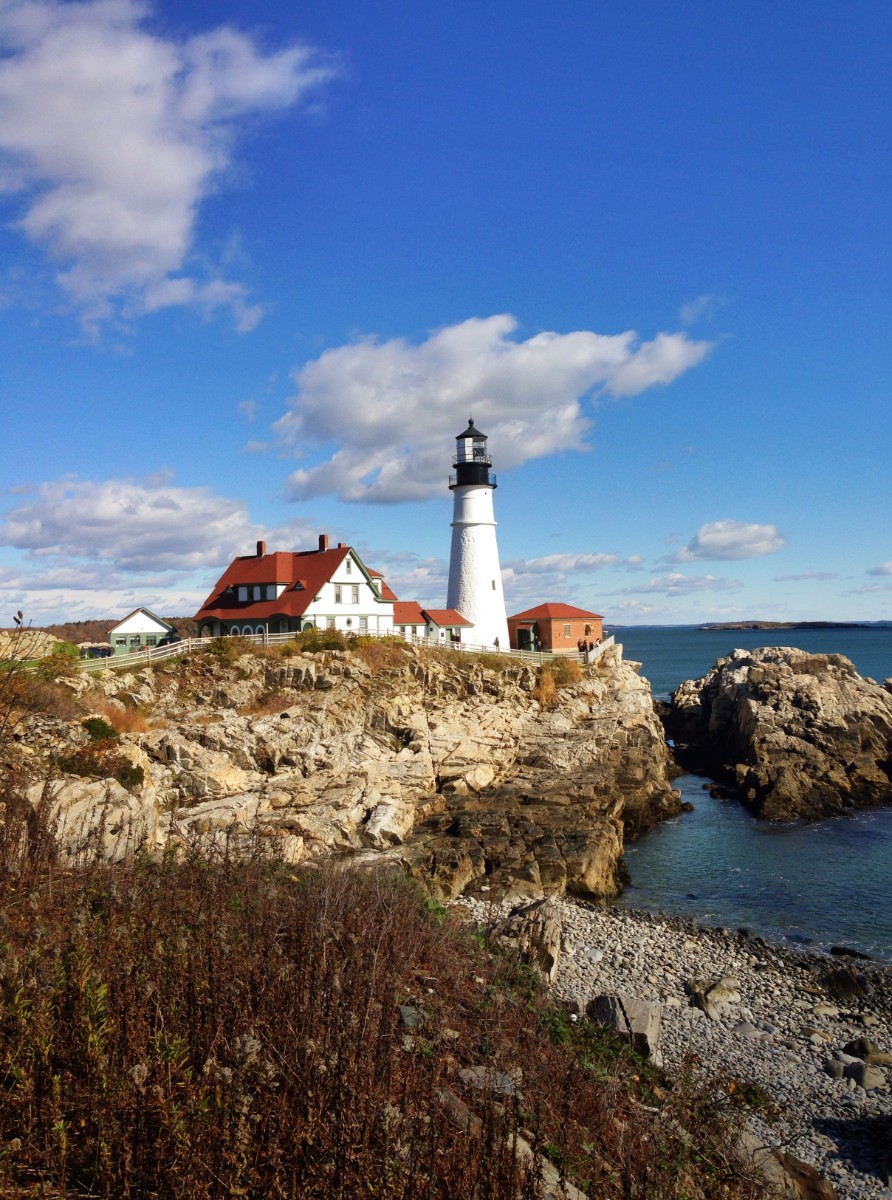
(883, 569)
(135, 527)
(703, 308)
(677, 584)
(563, 563)
(808, 577)
(389, 408)
(731, 540)
(115, 135)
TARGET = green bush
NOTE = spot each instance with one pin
(99, 729)
(311, 640)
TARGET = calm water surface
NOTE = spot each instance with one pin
(819, 884)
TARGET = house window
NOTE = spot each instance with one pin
(493, 585)
(348, 566)
(243, 594)
(258, 593)
(403, 630)
(151, 640)
(270, 591)
(349, 622)
(566, 631)
(120, 641)
(363, 623)
(329, 622)
(588, 630)
(354, 594)
(339, 594)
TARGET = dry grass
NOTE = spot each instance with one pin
(554, 674)
(380, 654)
(121, 717)
(267, 704)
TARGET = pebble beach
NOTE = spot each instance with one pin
(783, 1024)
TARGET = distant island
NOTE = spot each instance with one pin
(720, 625)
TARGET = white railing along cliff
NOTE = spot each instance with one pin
(153, 654)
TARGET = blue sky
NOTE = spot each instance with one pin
(259, 262)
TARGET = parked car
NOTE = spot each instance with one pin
(170, 639)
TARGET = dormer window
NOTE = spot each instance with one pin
(258, 593)
(242, 594)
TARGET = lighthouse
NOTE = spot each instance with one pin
(475, 580)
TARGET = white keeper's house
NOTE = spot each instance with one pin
(289, 591)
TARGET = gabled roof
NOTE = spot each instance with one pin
(303, 574)
(408, 612)
(554, 612)
(444, 616)
(162, 624)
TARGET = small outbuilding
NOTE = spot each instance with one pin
(409, 620)
(444, 625)
(556, 628)
(140, 630)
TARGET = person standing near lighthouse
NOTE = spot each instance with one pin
(475, 579)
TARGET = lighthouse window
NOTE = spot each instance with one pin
(493, 585)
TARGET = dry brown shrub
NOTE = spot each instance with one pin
(565, 671)
(266, 705)
(380, 654)
(123, 718)
(545, 690)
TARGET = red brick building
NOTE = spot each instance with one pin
(557, 628)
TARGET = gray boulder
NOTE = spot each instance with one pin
(639, 1021)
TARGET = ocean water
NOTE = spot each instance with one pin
(810, 884)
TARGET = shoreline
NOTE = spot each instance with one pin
(795, 1012)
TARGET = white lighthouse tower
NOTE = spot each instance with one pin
(475, 581)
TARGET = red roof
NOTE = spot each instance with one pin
(408, 612)
(555, 612)
(302, 572)
(444, 616)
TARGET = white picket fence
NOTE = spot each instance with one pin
(153, 654)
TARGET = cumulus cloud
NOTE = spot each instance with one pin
(113, 136)
(883, 569)
(384, 411)
(136, 527)
(678, 584)
(731, 540)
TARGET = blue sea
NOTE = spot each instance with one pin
(813, 885)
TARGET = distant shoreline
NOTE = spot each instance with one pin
(721, 625)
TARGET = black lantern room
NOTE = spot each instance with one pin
(472, 462)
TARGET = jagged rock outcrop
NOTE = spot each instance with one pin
(435, 759)
(795, 734)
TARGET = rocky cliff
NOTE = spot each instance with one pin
(448, 763)
(795, 734)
